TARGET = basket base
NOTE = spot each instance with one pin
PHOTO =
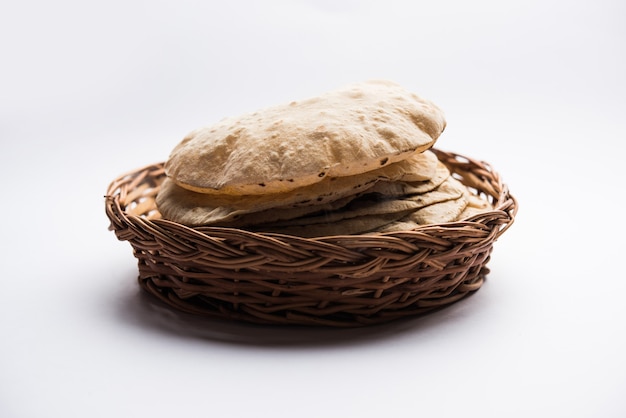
(311, 312)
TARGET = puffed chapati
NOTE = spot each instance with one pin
(345, 132)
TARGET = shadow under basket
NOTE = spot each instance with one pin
(338, 281)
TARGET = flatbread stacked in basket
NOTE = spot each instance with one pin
(352, 161)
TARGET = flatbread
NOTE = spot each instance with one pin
(404, 188)
(346, 132)
(279, 214)
(441, 212)
(475, 206)
(438, 213)
(194, 209)
(421, 167)
(379, 218)
(372, 205)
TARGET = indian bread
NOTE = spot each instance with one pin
(372, 204)
(344, 132)
(194, 209)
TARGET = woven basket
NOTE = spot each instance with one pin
(348, 280)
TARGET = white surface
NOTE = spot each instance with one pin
(89, 90)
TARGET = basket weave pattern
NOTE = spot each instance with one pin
(347, 280)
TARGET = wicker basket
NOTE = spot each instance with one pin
(348, 280)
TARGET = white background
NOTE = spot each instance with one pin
(90, 90)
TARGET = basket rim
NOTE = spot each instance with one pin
(507, 207)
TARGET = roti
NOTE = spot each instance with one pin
(475, 206)
(372, 205)
(438, 213)
(387, 216)
(192, 208)
(441, 212)
(345, 132)
(404, 188)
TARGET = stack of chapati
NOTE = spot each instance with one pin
(351, 161)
